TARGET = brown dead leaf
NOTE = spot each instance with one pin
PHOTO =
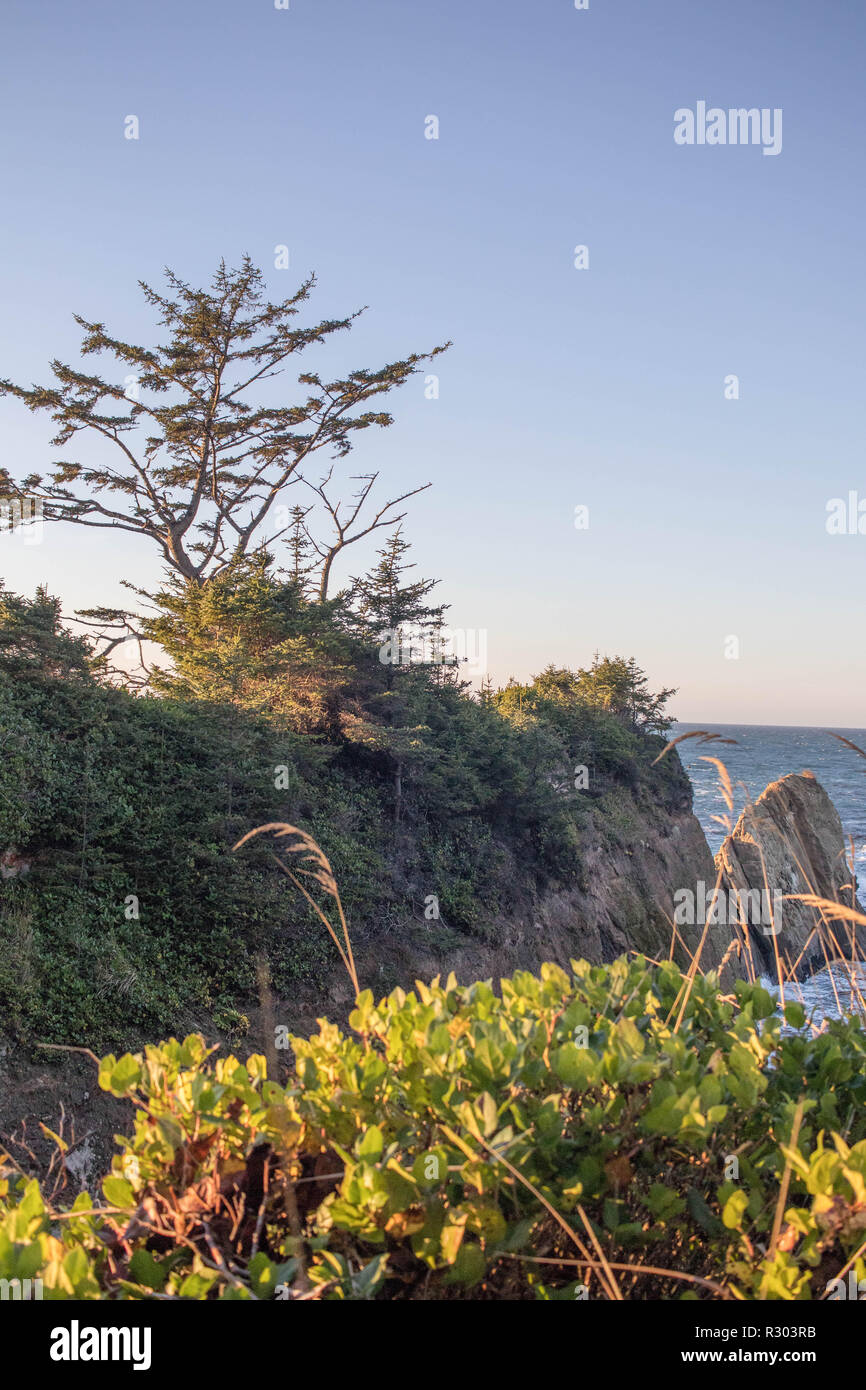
(619, 1171)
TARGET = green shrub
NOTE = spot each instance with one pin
(460, 1143)
(125, 808)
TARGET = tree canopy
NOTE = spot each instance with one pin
(189, 455)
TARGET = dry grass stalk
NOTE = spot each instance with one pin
(321, 873)
(786, 1181)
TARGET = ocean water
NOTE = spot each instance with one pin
(761, 754)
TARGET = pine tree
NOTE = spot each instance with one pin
(250, 639)
(386, 605)
(300, 548)
(206, 477)
(406, 629)
(620, 686)
(33, 641)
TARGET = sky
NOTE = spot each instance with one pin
(604, 385)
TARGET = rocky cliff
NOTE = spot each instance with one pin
(646, 864)
(790, 842)
(639, 847)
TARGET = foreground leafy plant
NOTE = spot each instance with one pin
(557, 1139)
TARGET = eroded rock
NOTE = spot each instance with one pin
(790, 842)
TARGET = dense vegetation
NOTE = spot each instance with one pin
(616, 1132)
(135, 918)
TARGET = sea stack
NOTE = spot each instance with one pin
(790, 841)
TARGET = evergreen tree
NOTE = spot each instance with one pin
(389, 608)
(406, 629)
(33, 641)
(250, 639)
(300, 547)
(620, 686)
(206, 476)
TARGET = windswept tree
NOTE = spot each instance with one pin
(187, 455)
(612, 683)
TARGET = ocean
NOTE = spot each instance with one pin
(762, 753)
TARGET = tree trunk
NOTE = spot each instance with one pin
(398, 794)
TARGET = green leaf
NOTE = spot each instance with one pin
(146, 1270)
(118, 1192)
(574, 1066)
(370, 1279)
(170, 1131)
(763, 1005)
(734, 1210)
(79, 1272)
(468, 1267)
(702, 1214)
(29, 1213)
(487, 1109)
(485, 1220)
(795, 1015)
(371, 1144)
(124, 1076)
(664, 1203)
(452, 1236)
(197, 1286)
(263, 1275)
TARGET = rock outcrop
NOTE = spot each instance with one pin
(628, 882)
(790, 842)
(637, 848)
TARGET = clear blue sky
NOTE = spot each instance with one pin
(602, 387)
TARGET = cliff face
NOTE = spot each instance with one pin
(637, 849)
(645, 863)
(791, 842)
